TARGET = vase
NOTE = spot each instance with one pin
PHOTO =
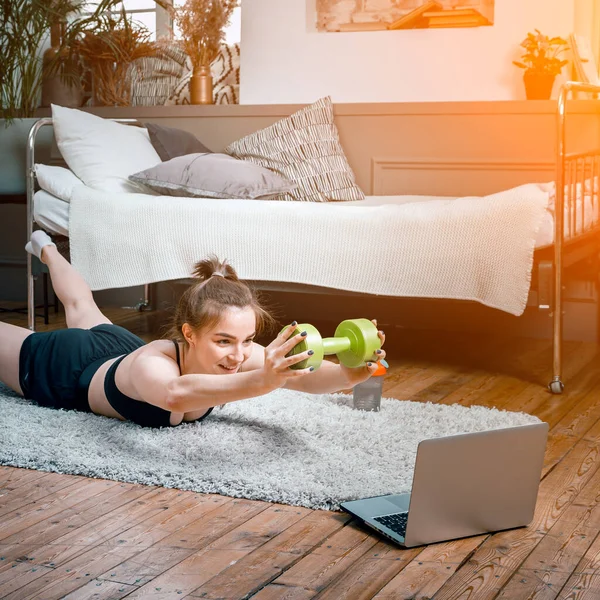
(55, 90)
(538, 86)
(201, 86)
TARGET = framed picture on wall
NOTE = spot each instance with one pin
(586, 67)
(377, 15)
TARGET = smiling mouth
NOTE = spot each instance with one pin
(230, 369)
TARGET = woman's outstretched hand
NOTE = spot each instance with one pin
(360, 374)
(276, 369)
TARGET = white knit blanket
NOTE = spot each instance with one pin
(473, 248)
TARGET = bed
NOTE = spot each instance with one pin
(557, 243)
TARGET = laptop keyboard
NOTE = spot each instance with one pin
(395, 522)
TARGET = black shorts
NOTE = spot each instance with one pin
(51, 364)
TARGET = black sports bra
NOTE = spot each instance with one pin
(137, 411)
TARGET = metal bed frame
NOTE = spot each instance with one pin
(144, 304)
(572, 170)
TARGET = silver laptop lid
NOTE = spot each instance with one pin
(469, 484)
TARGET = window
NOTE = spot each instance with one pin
(157, 20)
(232, 33)
(142, 11)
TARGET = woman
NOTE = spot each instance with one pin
(100, 367)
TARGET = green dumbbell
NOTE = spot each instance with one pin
(355, 342)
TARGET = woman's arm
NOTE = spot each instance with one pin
(156, 384)
(154, 379)
(329, 377)
(194, 392)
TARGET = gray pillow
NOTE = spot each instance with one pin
(213, 176)
(170, 142)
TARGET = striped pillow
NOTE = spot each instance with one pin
(304, 148)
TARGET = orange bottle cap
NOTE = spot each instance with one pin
(381, 368)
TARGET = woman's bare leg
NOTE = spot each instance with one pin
(72, 290)
(11, 340)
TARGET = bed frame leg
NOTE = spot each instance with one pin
(46, 298)
(148, 300)
(546, 281)
(30, 295)
(556, 386)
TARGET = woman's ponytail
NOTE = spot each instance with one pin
(212, 266)
(216, 288)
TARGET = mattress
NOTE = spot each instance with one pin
(52, 214)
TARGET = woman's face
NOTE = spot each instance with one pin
(223, 348)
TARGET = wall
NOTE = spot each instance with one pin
(587, 23)
(285, 60)
(233, 31)
(430, 148)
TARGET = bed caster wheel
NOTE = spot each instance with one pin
(556, 386)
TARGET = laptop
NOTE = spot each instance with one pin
(463, 485)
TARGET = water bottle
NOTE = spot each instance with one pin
(367, 395)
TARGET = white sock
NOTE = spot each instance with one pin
(39, 239)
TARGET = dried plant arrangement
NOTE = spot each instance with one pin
(109, 47)
(202, 24)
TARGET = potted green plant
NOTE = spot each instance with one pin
(542, 63)
(26, 26)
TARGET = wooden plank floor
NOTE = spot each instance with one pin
(63, 536)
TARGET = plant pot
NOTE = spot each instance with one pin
(56, 89)
(201, 86)
(538, 86)
(13, 145)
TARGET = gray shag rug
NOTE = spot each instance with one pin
(287, 447)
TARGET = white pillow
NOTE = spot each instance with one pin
(57, 181)
(100, 152)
